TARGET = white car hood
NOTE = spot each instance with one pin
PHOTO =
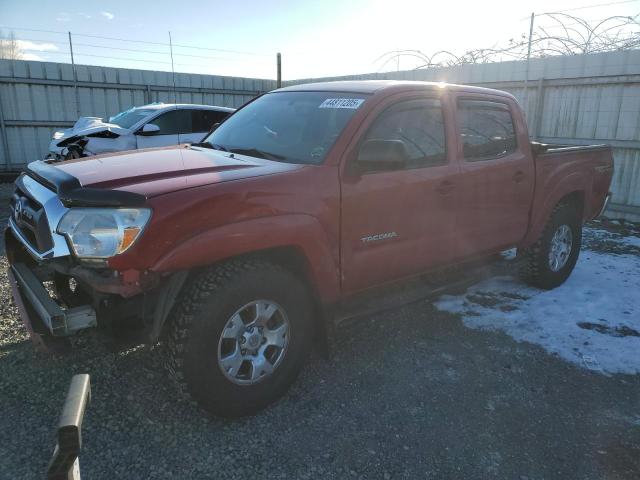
(87, 125)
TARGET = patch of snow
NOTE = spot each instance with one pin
(601, 234)
(592, 320)
(633, 241)
(509, 254)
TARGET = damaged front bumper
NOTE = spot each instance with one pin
(38, 255)
(52, 310)
(58, 294)
(38, 309)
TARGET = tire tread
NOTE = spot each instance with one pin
(204, 285)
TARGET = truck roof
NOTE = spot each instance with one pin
(372, 86)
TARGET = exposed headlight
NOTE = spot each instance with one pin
(102, 232)
(58, 135)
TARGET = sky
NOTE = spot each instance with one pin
(241, 38)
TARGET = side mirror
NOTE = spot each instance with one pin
(382, 155)
(149, 129)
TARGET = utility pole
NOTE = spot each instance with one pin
(526, 74)
(279, 70)
(75, 76)
(173, 71)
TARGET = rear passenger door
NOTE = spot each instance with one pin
(201, 123)
(497, 175)
(396, 223)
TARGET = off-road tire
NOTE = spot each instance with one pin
(535, 269)
(206, 304)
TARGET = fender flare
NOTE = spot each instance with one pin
(572, 183)
(300, 231)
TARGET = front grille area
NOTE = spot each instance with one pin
(30, 218)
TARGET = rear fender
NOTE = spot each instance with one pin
(302, 232)
(544, 204)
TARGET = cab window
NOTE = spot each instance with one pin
(419, 124)
(486, 129)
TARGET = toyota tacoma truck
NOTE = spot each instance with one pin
(241, 253)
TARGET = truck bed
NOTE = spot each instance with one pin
(560, 169)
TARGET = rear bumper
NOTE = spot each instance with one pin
(40, 313)
(604, 205)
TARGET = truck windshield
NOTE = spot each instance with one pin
(291, 127)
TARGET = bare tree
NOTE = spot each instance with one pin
(575, 36)
(10, 47)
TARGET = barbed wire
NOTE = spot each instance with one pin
(576, 36)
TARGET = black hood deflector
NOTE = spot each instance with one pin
(73, 194)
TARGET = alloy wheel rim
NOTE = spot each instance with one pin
(253, 342)
(560, 249)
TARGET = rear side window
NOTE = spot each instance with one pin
(203, 120)
(174, 122)
(419, 124)
(486, 129)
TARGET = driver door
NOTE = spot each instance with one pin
(400, 222)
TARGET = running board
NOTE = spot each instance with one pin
(421, 288)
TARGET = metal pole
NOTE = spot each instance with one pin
(279, 63)
(75, 76)
(5, 141)
(537, 126)
(173, 71)
(526, 75)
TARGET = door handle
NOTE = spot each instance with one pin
(519, 176)
(445, 187)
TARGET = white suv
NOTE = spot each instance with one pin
(154, 125)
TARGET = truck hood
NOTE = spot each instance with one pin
(153, 172)
(87, 126)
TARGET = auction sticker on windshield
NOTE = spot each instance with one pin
(352, 103)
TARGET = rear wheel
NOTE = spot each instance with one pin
(239, 336)
(550, 261)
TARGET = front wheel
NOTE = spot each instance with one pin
(239, 336)
(550, 261)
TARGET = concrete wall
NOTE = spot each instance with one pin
(581, 99)
(37, 98)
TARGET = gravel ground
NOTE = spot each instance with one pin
(407, 394)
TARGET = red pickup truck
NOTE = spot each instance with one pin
(239, 252)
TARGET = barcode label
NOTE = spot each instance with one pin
(351, 103)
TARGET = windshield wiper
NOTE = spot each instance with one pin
(255, 152)
(202, 144)
(213, 146)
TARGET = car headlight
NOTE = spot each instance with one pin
(102, 232)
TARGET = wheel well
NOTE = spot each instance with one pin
(576, 200)
(294, 261)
